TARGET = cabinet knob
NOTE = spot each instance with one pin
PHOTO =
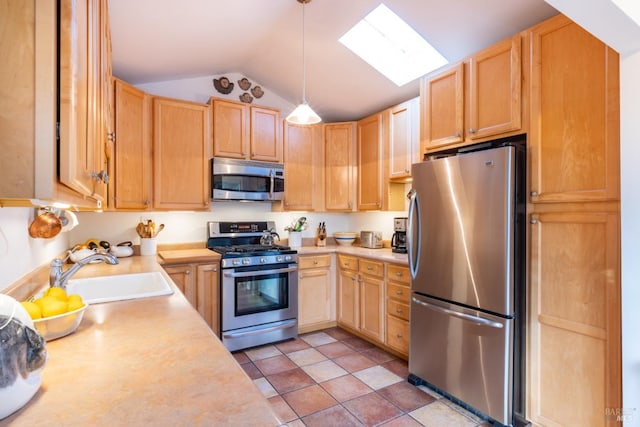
(534, 194)
(187, 273)
(253, 154)
(101, 176)
(369, 267)
(346, 264)
(399, 273)
(399, 292)
(398, 335)
(472, 130)
(378, 204)
(215, 269)
(406, 171)
(398, 310)
(111, 136)
(315, 262)
(533, 221)
(457, 135)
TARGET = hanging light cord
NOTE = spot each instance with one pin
(304, 62)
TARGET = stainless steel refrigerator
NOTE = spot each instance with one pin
(466, 246)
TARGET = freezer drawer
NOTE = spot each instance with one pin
(464, 352)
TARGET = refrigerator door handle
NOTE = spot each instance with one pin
(413, 248)
(464, 316)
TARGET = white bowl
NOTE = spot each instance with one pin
(345, 238)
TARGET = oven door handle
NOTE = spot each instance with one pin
(285, 325)
(259, 272)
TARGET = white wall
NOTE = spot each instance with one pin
(19, 253)
(630, 194)
(200, 89)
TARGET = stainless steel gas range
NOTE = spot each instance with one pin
(258, 284)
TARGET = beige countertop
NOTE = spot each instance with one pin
(382, 254)
(150, 361)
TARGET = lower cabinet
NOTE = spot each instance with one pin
(361, 296)
(316, 294)
(199, 284)
(398, 303)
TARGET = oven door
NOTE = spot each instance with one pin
(254, 296)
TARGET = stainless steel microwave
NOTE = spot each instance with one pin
(233, 179)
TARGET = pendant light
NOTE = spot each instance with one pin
(303, 114)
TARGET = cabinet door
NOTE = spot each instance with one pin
(181, 155)
(184, 276)
(403, 139)
(574, 330)
(339, 150)
(303, 174)
(207, 295)
(370, 163)
(132, 160)
(79, 56)
(495, 89)
(230, 128)
(442, 108)
(575, 106)
(348, 299)
(265, 140)
(314, 296)
(372, 307)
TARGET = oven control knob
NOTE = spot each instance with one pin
(263, 260)
(246, 261)
(279, 258)
(287, 258)
(235, 262)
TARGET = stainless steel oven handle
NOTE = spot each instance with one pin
(288, 324)
(464, 316)
(259, 272)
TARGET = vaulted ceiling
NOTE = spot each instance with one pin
(157, 40)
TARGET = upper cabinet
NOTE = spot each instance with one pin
(575, 108)
(244, 131)
(339, 166)
(370, 161)
(402, 134)
(35, 165)
(471, 101)
(303, 167)
(181, 152)
(131, 172)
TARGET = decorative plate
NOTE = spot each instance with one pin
(257, 91)
(223, 85)
(244, 83)
(245, 97)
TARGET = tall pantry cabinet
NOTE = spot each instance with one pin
(574, 299)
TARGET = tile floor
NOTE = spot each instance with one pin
(332, 378)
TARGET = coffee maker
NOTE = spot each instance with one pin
(399, 239)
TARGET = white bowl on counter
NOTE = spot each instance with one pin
(345, 238)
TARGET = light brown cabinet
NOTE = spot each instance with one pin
(244, 131)
(303, 168)
(132, 161)
(397, 310)
(370, 161)
(199, 282)
(478, 98)
(402, 138)
(339, 166)
(361, 296)
(575, 104)
(33, 166)
(316, 297)
(181, 153)
(574, 273)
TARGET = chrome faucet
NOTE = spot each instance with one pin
(58, 278)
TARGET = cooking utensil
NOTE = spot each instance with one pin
(46, 225)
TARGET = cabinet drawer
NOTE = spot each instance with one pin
(398, 292)
(316, 261)
(398, 309)
(371, 268)
(398, 273)
(398, 334)
(348, 262)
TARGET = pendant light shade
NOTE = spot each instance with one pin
(303, 114)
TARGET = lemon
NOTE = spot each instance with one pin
(57, 293)
(33, 309)
(74, 302)
(53, 308)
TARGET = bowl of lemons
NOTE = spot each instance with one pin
(55, 314)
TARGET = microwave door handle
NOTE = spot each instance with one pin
(259, 272)
(413, 248)
(273, 183)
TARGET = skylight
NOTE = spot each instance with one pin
(392, 47)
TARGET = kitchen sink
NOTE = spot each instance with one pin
(120, 287)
